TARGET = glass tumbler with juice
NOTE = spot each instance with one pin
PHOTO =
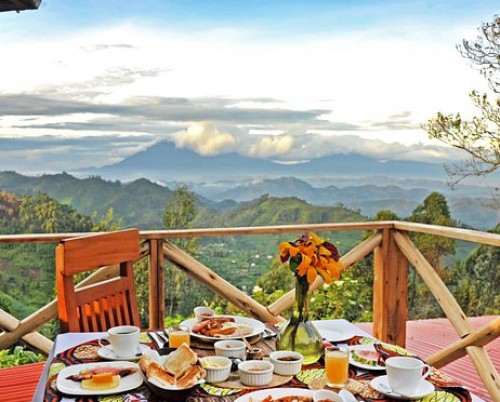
(336, 367)
(177, 335)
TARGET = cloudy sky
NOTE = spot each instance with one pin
(89, 82)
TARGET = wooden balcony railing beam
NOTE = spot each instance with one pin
(215, 283)
(480, 337)
(258, 230)
(453, 311)
(353, 256)
(437, 287)
(49, 311)
(156, 284)
(492, 239)
(390, 291)
(34, 340)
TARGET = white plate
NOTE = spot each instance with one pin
(257, 328)
(71, 387)
(107, 353)
(330, 333)
(362, 365)
(424, 388)
(275, 392)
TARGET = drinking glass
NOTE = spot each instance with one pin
(336, 366)
(177, 335)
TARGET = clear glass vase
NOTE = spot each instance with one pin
(299, 333)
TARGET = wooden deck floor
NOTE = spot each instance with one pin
(428, 336)
(424, 337)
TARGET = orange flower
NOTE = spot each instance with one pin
(309, 256)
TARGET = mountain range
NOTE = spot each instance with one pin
(164, 161)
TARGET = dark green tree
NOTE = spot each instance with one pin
(182, 293)
(478, 281)
(433, 211)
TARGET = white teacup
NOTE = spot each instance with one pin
(124, 340)
(404, 373)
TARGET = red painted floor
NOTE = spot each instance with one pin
(428, 336)
(18, 384)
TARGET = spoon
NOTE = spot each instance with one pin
(249, 346)
(388, 389)
(347, 395)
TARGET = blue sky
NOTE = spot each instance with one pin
(87, 83)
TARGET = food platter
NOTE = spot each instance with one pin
(276, 393)
(256, 326)
(71, 387)
(363, 365)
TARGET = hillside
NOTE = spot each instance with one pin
(141, 202)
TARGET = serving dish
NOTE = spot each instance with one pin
(71, 387)
(361, 365)
(275, 392)
(257, 328)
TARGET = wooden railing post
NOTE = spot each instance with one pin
(156, 284)
(390, 291)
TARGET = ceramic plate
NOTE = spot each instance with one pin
(107, 353)
(424, 388)
(275, 392)
(362, 365)
(71, 387)
(257, 328)
(332, 334)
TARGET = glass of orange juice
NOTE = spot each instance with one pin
(336, 366)
(177, 335)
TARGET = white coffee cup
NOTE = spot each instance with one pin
(124, 340)
(405, 373)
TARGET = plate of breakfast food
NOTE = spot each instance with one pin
(366, 357)
(278, 395)
(99, 378)
(172, 376)
(224, 327)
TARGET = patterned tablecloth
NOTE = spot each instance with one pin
(446, 388)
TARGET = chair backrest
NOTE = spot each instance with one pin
(105, 304)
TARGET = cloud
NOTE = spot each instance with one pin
(272, 146)
(205, 139)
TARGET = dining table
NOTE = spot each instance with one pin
(79, 348)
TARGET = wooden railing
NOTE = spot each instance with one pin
(393, 250)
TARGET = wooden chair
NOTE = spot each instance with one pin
(102, 305)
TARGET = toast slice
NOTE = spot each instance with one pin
(180, 360)
(191, 377)
(156, 371)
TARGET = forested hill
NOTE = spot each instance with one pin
(141, 203)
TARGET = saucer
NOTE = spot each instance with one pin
(424, 388)
(107, 353)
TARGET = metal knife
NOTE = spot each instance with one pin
(156, 339)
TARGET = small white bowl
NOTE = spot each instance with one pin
(203, 313)
(218, 368)
(255, 373)
(231, 348)
(286, 362)
(324, 394)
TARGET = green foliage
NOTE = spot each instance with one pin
(433, 211)
(477, 281)
(18, 356)
(479, 137)
(180, 212)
